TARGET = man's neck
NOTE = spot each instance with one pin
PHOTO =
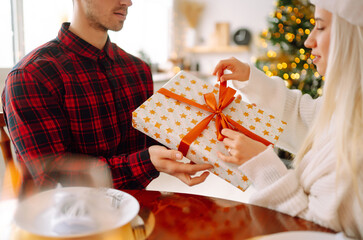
(91, 35)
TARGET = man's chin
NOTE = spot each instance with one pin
(116, 28)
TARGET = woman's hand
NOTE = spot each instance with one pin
(241, 147)
(240, 71)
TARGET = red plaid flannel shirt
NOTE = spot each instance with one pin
(68, 96)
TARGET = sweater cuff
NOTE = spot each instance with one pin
(149, 168)
(264, 169)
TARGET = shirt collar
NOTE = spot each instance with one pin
(83, 48)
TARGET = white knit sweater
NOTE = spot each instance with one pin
(310, 191)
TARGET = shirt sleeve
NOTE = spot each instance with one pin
(291, 106)
(39, 130)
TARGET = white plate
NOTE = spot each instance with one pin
(38, 214)
(299, 235)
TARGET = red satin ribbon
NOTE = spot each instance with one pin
(226, 96)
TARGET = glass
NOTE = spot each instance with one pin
(6, 33)
(43, 19)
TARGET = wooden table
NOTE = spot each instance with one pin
(185, 216)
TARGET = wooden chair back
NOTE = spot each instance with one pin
(12, 177)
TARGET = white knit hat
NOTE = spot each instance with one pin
(350, 10)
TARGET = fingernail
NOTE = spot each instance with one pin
(179, 156)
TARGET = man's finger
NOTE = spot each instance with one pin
(189, 168)
(191, 181)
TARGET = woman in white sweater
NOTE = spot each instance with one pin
(326, 134)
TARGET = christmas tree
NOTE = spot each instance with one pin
(283, 50)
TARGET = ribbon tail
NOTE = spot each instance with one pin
(188, 139)
(248, 133)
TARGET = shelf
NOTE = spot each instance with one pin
(218, 49)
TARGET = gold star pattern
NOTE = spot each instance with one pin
(250, 106)
(172, 90)
(200, 94)
(193, 82)
(187, 108)
(181, 136)
(280, 130)
(268, 124)
(169, 130)
(205, 86)
(196, 142)
(246, 114)
(157, 135)
(232, 109)
(257, 119)
(216, 165)
(271, 116)
(177, 83)
(266, 133)
(285, 123)
(189, 129)
(244, 178)
(212, 141)
(199, 114)
(164, 118)
(177, 123)
(146, 130)
(182, 76)
(228, 116)
(227, 180)
(146, 119)
(158, 125)
(158, 104)
(239, 122)
(170, 110)
(208, 148)
(167, 140)
(260, 111)
(193, 152)
(277, 138)
(230, 172)
(239, 187)
(152, 112)
(177, 103)
(183, 115)
(134, 114)
(252, 127)
(194, 121)
(216, 173)
(183, 95)
(142, 106)
(215, 91)
(187, 89)
(205, 159)
(238, 100)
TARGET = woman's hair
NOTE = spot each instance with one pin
(342, 103)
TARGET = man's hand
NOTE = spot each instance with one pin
(165, 160)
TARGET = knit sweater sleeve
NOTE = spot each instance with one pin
(277, 187)
(295, 108)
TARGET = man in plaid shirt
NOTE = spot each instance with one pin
(76, 93)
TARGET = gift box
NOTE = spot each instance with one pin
(188, 114)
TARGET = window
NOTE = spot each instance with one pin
(43, 19)
(145, 29)
(6, 33)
